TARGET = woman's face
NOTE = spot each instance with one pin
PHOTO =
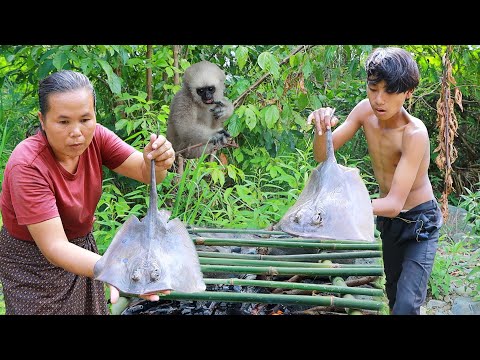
(69, 123)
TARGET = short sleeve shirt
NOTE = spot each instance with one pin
(37, 188)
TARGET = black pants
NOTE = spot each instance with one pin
(409, 243)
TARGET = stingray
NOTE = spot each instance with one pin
(150, 255)
(334, 204)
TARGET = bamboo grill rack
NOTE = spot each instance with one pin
(320, 264)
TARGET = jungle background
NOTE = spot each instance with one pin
(274, 88)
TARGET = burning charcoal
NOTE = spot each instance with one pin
(133, 310)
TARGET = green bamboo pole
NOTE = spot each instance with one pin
(270, 270)
(283, 234)
(338, 281)
(290, 244)
(350, 310)
(292, 285)
(235, 231)
(291, 239)
(274, 299)
(226, 261)
(296, 257)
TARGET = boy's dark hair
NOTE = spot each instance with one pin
(62, 81)
(394, 65)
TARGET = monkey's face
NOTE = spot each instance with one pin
(206, 94)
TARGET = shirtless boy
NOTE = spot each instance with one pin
(408, 216)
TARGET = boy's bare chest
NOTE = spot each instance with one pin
(385, 147)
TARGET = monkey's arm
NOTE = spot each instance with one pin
(191, 126)
(223, 110)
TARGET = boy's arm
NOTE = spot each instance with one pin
(414, 146)
(341, 135)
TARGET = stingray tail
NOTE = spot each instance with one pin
(330, 151)
(153, 188)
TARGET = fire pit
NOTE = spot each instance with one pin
(264, 272)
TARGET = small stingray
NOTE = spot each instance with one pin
(152, 254)
(334, 204)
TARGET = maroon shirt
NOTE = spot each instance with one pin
(37, 188)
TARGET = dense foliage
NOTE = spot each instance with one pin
(255, 183)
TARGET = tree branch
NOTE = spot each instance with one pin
(242, 97)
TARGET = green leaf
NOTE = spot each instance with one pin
(302, 101)
(300, 120)
(45, 68)
(232, 174)
(238, 154)
(114, 82)
(250, 118)
(119, 125)
(227, 193)
(274, 68)
(60, 60)
(273, 172)
(184, 64)
(271, 116)
(293, 61)
(242, 55)
(132, 108)
(234, 126)
(134, 61)
(316, 103)
(307, 69)
(218, 176)
(264, 60)
(86, 64)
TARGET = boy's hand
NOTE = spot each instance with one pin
(323, 119)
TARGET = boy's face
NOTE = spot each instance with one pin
(384, 104)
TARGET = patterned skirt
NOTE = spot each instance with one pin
(32, 285)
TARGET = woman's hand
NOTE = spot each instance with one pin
(160, 150)
(115, 294)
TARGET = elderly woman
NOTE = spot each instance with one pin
(52, 185)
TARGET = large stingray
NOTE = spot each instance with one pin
(334, 204)
(152, 254)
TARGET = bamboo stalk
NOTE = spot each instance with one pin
(226, 261)
(291, 239)
(235, 231)
(297, 292)
(274, 299)
(270, 270)
(289, 244)
(295, 285)
(297, 257)
(338, 281)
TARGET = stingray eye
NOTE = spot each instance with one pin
(136, 275)
(317, 219)
(155, 274)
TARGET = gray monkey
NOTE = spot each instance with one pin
(198, 111)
